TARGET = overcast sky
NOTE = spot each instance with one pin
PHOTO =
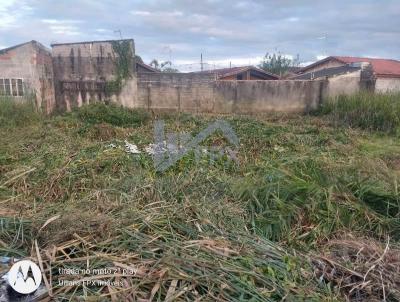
(223, 30)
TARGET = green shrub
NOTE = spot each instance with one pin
(112, 114)
(17, 112)
(380, 112)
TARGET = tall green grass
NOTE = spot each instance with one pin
(304, 202)
(201, 231)
(18, 112)
(98, 113)
(379, 112)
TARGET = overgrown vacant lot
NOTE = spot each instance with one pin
(311, 213)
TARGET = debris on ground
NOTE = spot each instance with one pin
(131, 148)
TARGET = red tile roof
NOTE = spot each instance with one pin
(381, 67)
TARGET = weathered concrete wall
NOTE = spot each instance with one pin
(188, 92)
(352, 82)
(251, 97)
(344, 84)
(32, 63)
(84, 72)
(387, 85)
(128, 95)
(201, 93)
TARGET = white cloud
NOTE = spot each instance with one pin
(63, 26)
(292, 19)
(247, 5)
(144, 13)
(11, 11)
(141, 13)
(7, 19)
(241, 29)
(61, 21)
(68, 30)
(321, 57)
(103, 30)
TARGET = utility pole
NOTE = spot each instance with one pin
(201, 61)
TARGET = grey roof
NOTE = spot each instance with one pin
(223, 72)
(148, 67)
(327, 72)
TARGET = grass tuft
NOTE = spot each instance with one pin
(378, 112)
(115, 115)
(18, 113)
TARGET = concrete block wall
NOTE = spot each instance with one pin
(84, 61)
(252, 97)
(82, 71)
(175, 91)
(201, 93)
(384, 85)
(344, 84)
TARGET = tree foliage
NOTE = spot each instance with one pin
(165, 66)
(124, 60)
(278, 63)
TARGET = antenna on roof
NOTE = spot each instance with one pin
(120, 33)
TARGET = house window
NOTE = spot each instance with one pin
(239, 77)
(11, 87)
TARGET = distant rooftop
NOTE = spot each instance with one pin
(223, 72)
(2, 51)
(326, 72)
(91, 42)
(381, 67)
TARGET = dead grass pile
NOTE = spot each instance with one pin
(138, 267)
(364, 270)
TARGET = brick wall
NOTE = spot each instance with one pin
(31, 62)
